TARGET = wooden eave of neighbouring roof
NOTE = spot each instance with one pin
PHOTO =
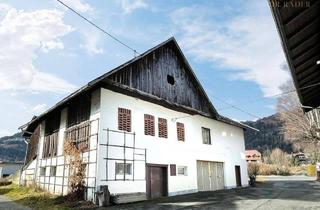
(103, 81)
(299, 30)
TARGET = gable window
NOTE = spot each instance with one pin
(180, 131)
(170, 79)
(123, 168)
(42, 171)
(124, 119)
(149, 125)
(182, 171)
(53, 170)
(163, 128)
(206, 138)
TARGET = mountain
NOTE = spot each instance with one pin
(12, 148)
(269, 137)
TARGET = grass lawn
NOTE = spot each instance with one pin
(37, 199)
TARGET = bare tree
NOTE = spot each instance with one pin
(298, 126)
(278, 157)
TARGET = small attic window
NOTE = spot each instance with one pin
(170, 79)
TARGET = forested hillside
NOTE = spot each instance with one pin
(12, 148)
(269, 137)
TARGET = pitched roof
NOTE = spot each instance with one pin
(299, 30)
(103, 81)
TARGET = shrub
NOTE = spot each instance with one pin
(253, 169)
(311, 170)
(5, 182)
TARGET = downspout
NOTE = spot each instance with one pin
(24, 162)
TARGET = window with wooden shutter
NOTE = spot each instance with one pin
(149, 125)
(206, 138)
(173, 170)
(163, 128)
(124, 119)
(180, 131)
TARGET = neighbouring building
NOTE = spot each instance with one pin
(253, 156)
(9, 168)
(147, 128)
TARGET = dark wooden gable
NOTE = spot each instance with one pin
(165, 73)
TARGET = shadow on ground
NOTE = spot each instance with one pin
(269, 195)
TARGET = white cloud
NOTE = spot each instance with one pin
(129, 6)
(79, 5)
(22, 35)
(38, 109)
(92, 39)
(248, 44)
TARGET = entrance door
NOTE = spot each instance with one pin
(238, 176)
(157, 177)
(210, 175)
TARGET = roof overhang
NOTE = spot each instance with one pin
(298, 24)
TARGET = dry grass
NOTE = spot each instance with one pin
(33, 197)
(272, 169)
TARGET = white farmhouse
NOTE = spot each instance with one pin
(147, 128)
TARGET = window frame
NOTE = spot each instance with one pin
(149, 125)
(124, 119)
(162, 128)
(125, 172)
(42, 171)
(53, 169)
(203, 130)
(185, 170)
(180, 131)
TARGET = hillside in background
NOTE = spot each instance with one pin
(12, 148)
(269, 137)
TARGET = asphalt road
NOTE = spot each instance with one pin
(288, 193)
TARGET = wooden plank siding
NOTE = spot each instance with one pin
(149, 74)
(79, 135)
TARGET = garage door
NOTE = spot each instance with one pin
(210, 175)
(156, 181)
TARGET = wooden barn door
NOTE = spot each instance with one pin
(210, 175)
(157, 179)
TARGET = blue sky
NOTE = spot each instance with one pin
(47, 51)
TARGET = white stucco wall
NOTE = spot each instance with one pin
(227, 144)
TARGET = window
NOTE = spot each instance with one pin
(53, 170)
(182, 170)
(42, 171)
(149, 125)
(123, 168)
(124, 119)
(173, 170)
(180, 131)
(163, 128)
(170, 79)
(206, 138)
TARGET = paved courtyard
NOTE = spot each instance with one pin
(284, 193)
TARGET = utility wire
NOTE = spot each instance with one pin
(98, 27)
(235, 107)
(260, 99)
